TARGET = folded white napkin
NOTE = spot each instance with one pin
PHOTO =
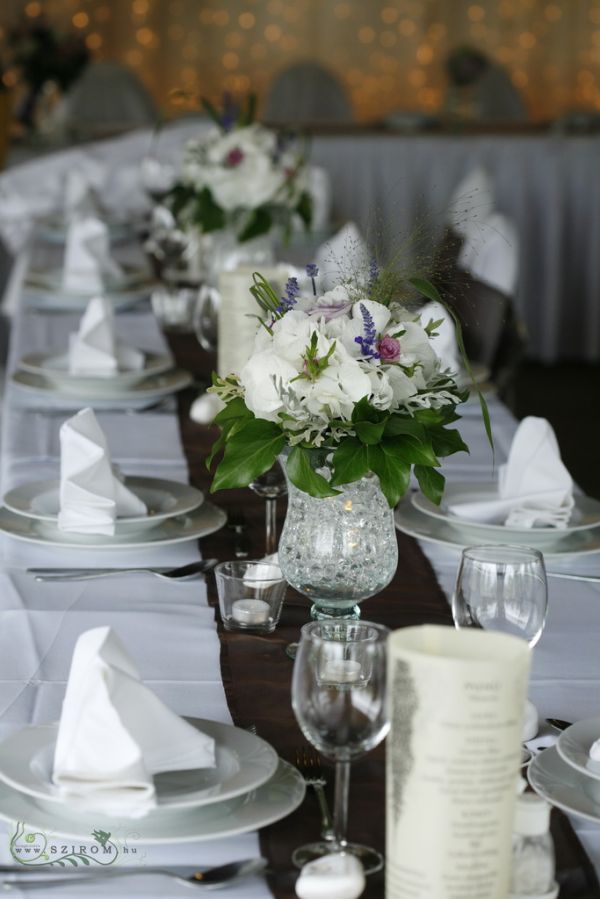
(534, 487)
(79, 199)
(490, 253)
(88, 266)
(94, 349)
(343, 256)
(471, 202)
(115, 733)
(444, 343)
(91, 496)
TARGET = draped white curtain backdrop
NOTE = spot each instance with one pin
(389, 54)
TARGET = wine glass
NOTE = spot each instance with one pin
(339, 699)
(270, 485)
(502, 588)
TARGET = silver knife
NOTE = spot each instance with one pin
(567, 576)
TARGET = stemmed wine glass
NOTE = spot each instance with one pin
(502, 588)
(270, 486)
(339, 699)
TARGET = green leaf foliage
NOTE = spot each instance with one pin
(303, 476)
(445, 442)
(431, 483)
(260, 222)
(207, 214)
(305, 208)
(392, 471)
(350, 462)
(249, 451)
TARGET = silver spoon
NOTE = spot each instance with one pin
(86, 574)
(211, 878)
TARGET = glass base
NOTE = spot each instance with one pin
(323, 612)
(371, 860)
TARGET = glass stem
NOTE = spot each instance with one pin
(271, 525)
(340, 802)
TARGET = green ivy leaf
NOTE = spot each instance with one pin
(445, 442)
(364, 411)
(305, 208)
(350, 462)
(369, 432)
(392, 471)
(414, 452)
(302, 475)
(431, 483)
(208, 214)
(249, 451)
(397, 425)
(235, 408)
(259, 223)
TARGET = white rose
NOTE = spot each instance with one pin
(260, 378)
(252, 140)
(252, 183)
(415, 346)
(402, 386)
(336, 391)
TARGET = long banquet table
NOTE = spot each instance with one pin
(393, 184)
(170, 628)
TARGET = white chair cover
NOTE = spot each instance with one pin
(307, 93)
(107, 99)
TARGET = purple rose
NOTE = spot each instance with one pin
(389, 349)
(234, 158)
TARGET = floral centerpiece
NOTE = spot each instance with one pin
(348, 378)
(240, 176)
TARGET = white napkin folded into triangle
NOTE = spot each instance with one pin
(79, 198)
(534, 487)
(94, 349)
(88, 266)
(115, 733)
(444, 343)
(343, 256)
(91, 496)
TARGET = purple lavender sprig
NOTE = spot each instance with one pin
(312, 271)
(373, 274)
(368, 342)
(292, 291)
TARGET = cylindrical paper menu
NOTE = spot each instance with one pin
(453, 755)
(237, 311)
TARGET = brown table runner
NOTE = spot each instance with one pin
(257, 672)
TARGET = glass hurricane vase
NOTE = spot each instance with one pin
(341, 549)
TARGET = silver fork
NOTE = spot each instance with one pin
(309, 766)
(88, 574)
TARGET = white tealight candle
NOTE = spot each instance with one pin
(342, 671)
(250, 611)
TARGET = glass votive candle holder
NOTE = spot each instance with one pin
(251, 595)
(174, 307)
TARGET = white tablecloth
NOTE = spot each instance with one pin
(168, 628)
(393, 185)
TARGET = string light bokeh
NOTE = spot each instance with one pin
(388, 53)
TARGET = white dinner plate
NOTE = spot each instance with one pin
(133, 276)
(201, 521)
(574, 746)
(563, 786)
(275, 799)
(137, 396)
(55, 368)
(585, 515)
(243, 763)
(40, 501)
(417, 524)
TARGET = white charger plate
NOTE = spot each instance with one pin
(563, 786)
(204, 520)
(275, 799)
(585, 515)
(137, 396)
(417, 524)
(55, 368)
(40, 501)
(244, 762)
(574, 746)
